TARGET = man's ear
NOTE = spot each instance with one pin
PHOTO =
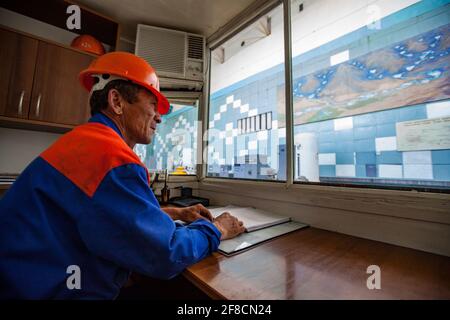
(115, 101)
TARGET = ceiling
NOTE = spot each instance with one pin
(197, 16)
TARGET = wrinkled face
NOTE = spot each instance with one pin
(141, 117)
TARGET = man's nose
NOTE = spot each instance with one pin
(158, 117)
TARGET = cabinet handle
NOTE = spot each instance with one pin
(38, 104)
(19, 109)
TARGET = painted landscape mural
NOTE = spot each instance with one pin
(409, 72)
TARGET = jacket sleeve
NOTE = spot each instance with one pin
(127, 226)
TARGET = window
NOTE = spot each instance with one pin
(257, 123)
(175, 142)
(371, 90)
(246, 131)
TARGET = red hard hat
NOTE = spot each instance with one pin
(88, 43)
(127, 66)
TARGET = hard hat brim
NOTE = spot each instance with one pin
(87, 81)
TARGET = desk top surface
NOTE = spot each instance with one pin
(317, 264)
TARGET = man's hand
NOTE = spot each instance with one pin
(229, 226)
(195, 212)
(189, 214)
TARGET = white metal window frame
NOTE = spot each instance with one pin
(409, 218)
(236, 25)
(246, 18)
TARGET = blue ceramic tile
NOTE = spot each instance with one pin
(344, 146)
(386, 130)
(310, 127)
(364, 132)
(326, 125)
(366, 158)
(264, 108)
(262, 101)
(411, 113)
(344, 135)
(360, 171)
(384, 117)
(327, 136)
(327, 147)
(371, 170)
(280, 78)
(364, 145)
(441, 172)
(389, 157)
(364, 120)
(327, 171)
(344, 158)
(440, 156)
(262, 83)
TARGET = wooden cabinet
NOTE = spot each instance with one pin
(18, 55)
(58, 96)
(39, 83)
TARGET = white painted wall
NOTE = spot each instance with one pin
(320, 22)
(253, 59)
(19, 147)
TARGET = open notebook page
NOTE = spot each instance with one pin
(253, 219)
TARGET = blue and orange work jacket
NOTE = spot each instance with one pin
(86, 202)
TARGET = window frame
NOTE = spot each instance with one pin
(255, 11)
(236, 26)
(183, 97)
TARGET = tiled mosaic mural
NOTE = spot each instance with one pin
(363, 145)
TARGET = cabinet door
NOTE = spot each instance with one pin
(17, 61)
(58, 96)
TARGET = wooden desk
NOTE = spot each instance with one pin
(318, 264)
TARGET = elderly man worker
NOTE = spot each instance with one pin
(85, 206)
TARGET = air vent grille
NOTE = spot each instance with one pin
(195, 47)
(164, 50)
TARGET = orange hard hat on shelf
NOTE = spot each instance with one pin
(88, 43)
(127, 66)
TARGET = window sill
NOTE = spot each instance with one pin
(411, 219)
(370, 191)
(182, 178)
(424, 206)
(267, 184)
